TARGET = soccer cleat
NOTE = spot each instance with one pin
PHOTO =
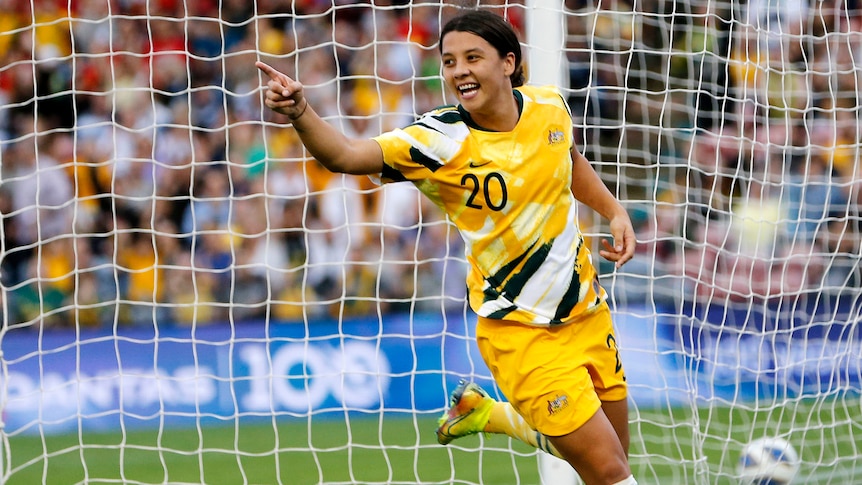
(469, 411)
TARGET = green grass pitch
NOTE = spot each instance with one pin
(361, 450)
(398, 449)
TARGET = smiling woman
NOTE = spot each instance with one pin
(695, 114)
(481, 59)
(544, 326)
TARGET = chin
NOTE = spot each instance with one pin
(471, 104)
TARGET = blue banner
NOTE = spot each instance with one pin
(774, 349)
(61, 381)
(219, 372)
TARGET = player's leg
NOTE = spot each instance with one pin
(598, 449)
(504, 419)
(617, 413)
(472, 411)
(567, 382)
(595, 452)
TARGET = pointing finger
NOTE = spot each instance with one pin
(268, 70)
(279, 82)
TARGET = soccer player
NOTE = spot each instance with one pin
(503, 165)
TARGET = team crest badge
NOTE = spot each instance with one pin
(558, 404)
(556, 136)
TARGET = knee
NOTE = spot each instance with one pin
(610, 472)
(603, 463)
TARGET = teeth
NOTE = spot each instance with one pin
(467, 87)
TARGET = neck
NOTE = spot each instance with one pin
(501, 117)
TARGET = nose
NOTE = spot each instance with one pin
(459, 69)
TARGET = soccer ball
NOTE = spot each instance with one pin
(768, 461)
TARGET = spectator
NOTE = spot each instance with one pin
(210, 205)
(842, 243)
(699, 65)
(96, 292)
(41, 192)
(262, 259)
(142, 282)
(33, 304)
(814, 190)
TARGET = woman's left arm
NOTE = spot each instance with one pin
(588, 188)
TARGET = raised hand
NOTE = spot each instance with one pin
(283, 95)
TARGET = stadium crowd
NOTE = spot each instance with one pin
(142, 181)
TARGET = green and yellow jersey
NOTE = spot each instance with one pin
(510, 196)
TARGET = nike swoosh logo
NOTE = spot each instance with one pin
(477, 165)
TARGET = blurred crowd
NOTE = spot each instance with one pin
(757, 196)
(142, 180)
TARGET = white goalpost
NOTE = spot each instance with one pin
(545, 33)
(187, 297)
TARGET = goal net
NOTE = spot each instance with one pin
(188, 297)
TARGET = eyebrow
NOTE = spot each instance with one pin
(468, 51)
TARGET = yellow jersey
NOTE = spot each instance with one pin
(509, 194)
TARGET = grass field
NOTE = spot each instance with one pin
(361, 450)
(399, 450)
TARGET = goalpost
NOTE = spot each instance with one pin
(188, 298)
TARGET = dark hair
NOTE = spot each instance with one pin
(494, 29)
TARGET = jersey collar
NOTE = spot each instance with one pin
(465, 115)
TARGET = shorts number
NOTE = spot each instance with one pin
(485, 187)
(612, 344)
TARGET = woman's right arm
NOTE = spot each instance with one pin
(325, 143)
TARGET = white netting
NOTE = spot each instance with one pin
(188, 298)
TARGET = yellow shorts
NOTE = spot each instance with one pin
(555, 377)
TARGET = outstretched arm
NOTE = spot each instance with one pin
(325, 143)
(588, 188)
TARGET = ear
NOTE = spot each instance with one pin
(509, 64)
